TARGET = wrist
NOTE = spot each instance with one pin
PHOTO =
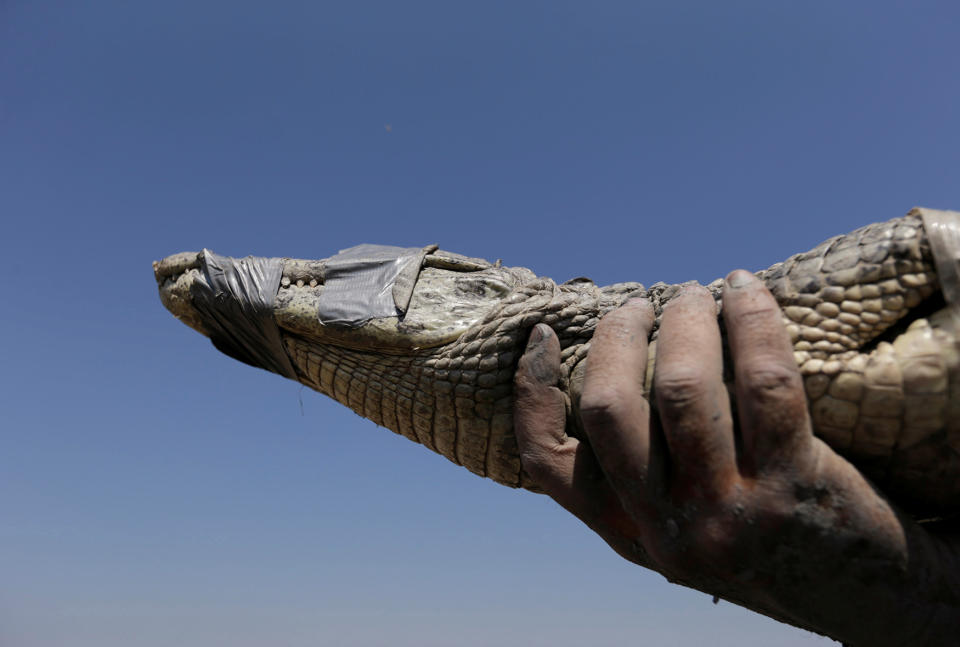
(939, 596)
(909, 597)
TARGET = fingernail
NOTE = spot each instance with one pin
(536, 335)
(740, 278)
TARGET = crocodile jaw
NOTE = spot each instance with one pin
(175, 276)
(451, 293)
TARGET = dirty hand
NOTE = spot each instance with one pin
(759, 512)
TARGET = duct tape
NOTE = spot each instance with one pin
(943, 232)
(235, 298)
(368, 282)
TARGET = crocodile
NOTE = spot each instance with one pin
(425, 342)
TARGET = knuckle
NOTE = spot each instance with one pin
(534, 459)
(529, 402)
(757, 314)
(679, 387)
(543, 463)
(715, 540)
(537, 470)
(524, 384)
(703, 545)
(606, 405)
(770, 379)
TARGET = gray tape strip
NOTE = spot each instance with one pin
(368, 281)
(235, 297)
(943, 232)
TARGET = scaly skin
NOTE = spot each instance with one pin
(878, 350)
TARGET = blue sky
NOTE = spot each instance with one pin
(155, 492)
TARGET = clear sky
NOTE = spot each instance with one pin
(154, 492)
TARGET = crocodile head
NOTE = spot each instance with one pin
(386, 300)
(418, 340)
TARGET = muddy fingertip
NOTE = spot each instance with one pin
(537, 335)
(642, 307)
(739, 279)
(540, 361)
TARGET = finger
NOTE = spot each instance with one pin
(692, 400)
(562, 467)
(614, 413)
(547, 454)
(771, 401)
(539, 412)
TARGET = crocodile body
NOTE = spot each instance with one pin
(874, 334)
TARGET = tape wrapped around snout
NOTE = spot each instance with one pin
(235, 298)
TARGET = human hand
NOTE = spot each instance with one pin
(761, 513)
